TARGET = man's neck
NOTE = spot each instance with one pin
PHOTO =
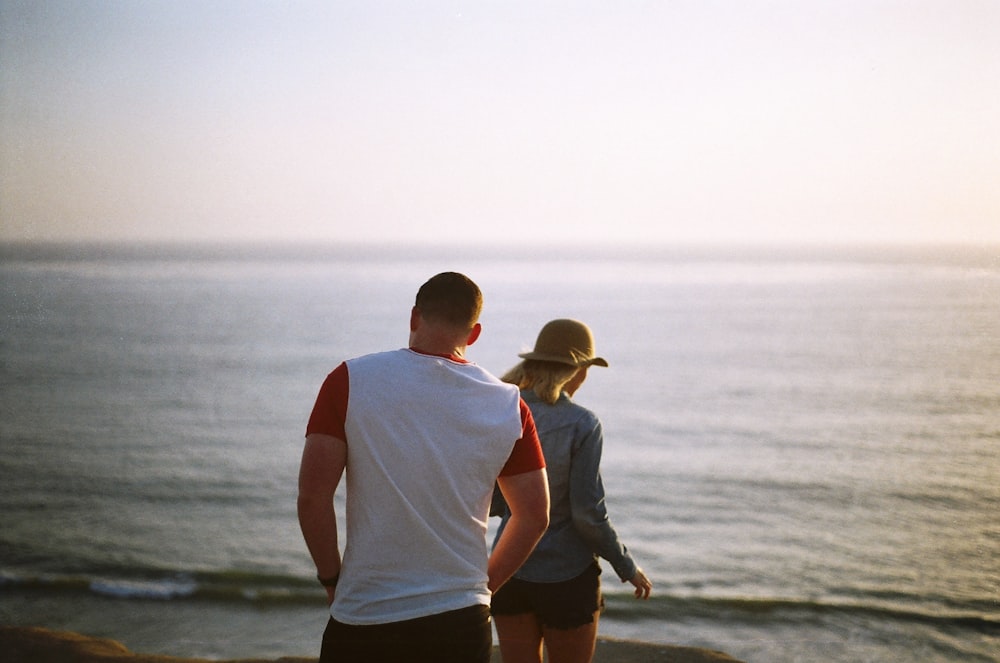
(436, 339)
(452, 354)
(437, 344)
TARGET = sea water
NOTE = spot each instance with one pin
(802, 445)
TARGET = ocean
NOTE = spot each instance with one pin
(802, 444)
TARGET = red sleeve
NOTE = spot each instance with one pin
(527, 454)
(330, 410)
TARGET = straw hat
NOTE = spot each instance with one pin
(567, 342)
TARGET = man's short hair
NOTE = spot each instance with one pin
(452, 298)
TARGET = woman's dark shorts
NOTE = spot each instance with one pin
(562, 605)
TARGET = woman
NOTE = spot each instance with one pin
(555, 598)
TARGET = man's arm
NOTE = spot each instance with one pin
(527, 496)
(323, 460)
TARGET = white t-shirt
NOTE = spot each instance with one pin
(419, 486)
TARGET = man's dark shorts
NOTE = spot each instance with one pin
(562, 605)
(459, 636)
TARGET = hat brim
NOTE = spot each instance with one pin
(560, 359)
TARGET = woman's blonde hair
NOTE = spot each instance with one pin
(545, 378)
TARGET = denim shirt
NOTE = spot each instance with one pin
(579, 528)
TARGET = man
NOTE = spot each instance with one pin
(423, 435)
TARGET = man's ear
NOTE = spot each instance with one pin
(474, 334)
(414, 318)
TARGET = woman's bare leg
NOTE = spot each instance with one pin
(574, 645)
(520, 638)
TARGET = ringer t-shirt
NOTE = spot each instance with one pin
(419, 486)
(330, 411)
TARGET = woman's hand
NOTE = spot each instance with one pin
(642, 584)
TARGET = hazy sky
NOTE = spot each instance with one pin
(746, 120)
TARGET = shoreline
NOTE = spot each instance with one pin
(27, 644)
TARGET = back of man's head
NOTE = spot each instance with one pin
(451, 298)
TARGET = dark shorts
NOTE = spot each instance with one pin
(459, 636)
(562, 605)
